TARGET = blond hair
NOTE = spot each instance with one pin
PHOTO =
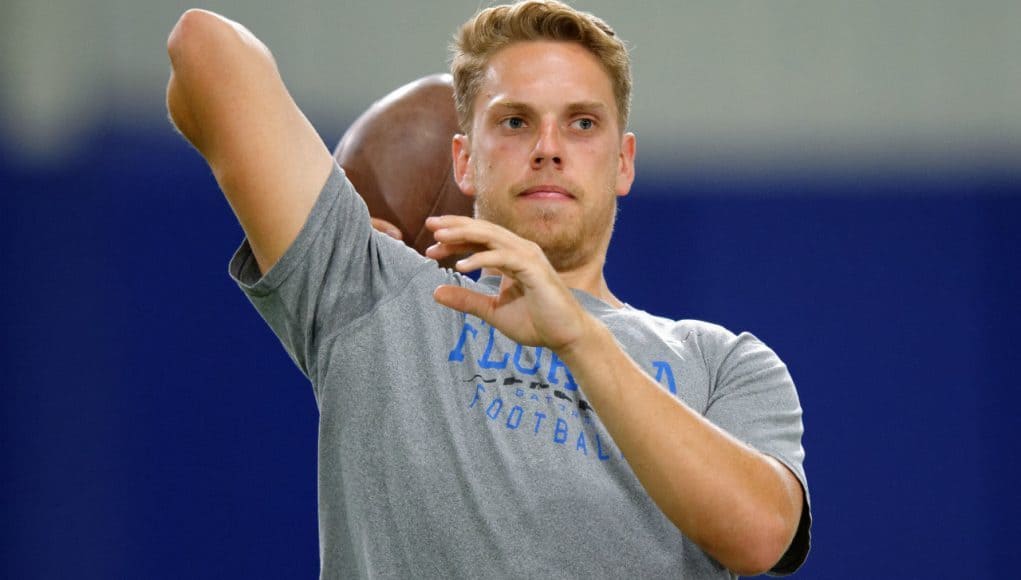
(496, 27)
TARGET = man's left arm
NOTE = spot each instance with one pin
(739, 505)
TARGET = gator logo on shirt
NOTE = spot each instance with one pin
(546, 403)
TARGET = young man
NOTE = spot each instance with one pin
(480, 429)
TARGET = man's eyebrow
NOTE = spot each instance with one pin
(587, 107)
(512, 106)
(576, 107)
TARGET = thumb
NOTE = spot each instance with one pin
(463, 300)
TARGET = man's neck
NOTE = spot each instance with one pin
(592, 282)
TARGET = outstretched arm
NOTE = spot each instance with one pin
(227, 98)
(739, 505)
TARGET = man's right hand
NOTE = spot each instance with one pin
(227, 98)
(387, 228)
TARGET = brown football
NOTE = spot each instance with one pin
(397, 155)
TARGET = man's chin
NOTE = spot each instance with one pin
(563, 252)
(562, 245)
(564, 259)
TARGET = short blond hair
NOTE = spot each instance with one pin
(499, 26)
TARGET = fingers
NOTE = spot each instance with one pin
(532, 306)
(454, 237)
(464, 300)
(492, 247)
(444, 221)
(440, 251)
(459, 229)
(473, 235)
(500, 260)
(448, 231)
(387, 228)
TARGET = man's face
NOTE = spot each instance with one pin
(545, 157)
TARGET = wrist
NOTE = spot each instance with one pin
(593, 337)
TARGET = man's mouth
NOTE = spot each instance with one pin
(550, 192)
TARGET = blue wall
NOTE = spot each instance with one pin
(153, 427)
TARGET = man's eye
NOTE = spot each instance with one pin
(514, 122)
(585, 124)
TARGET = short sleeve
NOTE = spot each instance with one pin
(336, 270)
(754, 399)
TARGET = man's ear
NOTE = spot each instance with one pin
(463, 173)
(626, 164)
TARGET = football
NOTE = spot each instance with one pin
(397, 155)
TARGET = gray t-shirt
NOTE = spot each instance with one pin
(448, 451)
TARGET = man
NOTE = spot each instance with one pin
(480, 429)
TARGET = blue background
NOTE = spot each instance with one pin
(154, 428)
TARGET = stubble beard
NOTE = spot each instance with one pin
(567, 246)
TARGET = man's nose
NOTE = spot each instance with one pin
(548, 146)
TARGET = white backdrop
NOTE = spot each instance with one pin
(729, 84)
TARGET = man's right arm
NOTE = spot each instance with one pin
(227, 98)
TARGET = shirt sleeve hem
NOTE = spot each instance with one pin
(797, 552)
(243, 268)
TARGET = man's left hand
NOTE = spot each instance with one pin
(533, 306)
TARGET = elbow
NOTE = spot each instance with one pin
(192, 48)
(191, 27)
(202, 37)
(772, 526)
(179, 43)
(764, 547)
